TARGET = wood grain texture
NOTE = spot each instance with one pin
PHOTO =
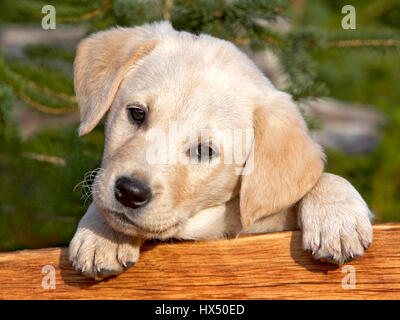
(270, 266)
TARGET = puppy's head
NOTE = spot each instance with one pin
(191, 124)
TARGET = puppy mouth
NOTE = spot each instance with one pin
(121, 218)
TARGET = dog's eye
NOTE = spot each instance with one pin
(137, 114)
(205, 152)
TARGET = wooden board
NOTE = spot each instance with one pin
(270, 266)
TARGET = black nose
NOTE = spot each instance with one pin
(131, 192)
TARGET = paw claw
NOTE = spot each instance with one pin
(365, 244)
(123, 262)
(351, 254)
(98, 267)
(314, 249)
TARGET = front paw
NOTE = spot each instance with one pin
(335, 221)
(98, 251)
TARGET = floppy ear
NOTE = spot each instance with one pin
(286, 162)
(101, 63)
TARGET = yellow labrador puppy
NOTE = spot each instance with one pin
(199, 145)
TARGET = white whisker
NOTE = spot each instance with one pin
(88, 183)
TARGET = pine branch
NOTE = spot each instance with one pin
(45, 90)
(8, 124)
(24, 11)
(106, 7)
(242, 21)
(38, 96)
(44, 108)
(365, 43)
(167, 9)
(130, 13)
(367, 37)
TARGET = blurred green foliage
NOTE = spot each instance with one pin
(370, 76)
(38, 203)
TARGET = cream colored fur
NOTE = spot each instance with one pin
(197, 83)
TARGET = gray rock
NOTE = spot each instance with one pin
(349, 127)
